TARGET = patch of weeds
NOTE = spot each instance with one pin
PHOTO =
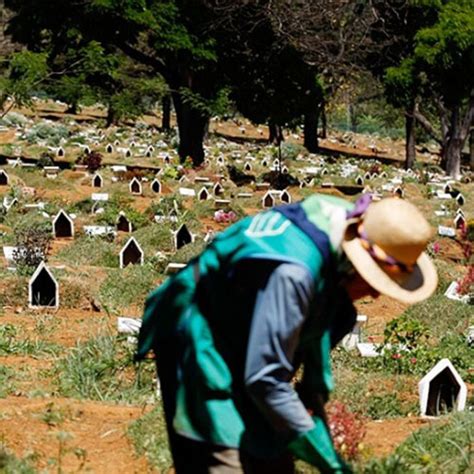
(74, 293)
(372, 394)
(125, 287)
(446, 447)
(6, 381)
(92, 251)
(12, 344)
(450, 316)
(186, 253)
(15, 292)
(155, 238)
(10, 464)
(63, 437)
(149, 437)
(409, 348)
(103, 369)
(52, 415)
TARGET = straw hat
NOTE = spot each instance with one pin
(386, 247)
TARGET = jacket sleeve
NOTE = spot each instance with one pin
(280, 311)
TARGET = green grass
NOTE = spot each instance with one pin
(103, 369)
(150, 438)
(445, 447)
(93, 251)
(125, 287)
(370, 393)
(6, 381)
(12, 344)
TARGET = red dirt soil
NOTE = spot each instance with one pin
(26, 426)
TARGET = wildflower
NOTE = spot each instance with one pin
(436, 247)
(396, 356)
(413, 360)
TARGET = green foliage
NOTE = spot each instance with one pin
(6, 383)
(220, 105)
(442, 447)
(405, 331)
(406, 349)
(444, 50)
(94, 251)
(125, 287)
(10, 464)
(52, 133)
(103, 369)
(150, 438)
(12, 344)
(25, 71)
(46, 159)
(289, 151)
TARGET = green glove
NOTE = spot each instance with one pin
(316, 448)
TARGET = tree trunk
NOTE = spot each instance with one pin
(351, 118)
(111, 117)
(72, 109)
(166, 118)
(410, 137)
(471, 149)
(311, 131)
(452, 157)
(275, 133)
(191, 126)
(324, 123)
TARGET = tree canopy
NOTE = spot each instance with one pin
(269, 58)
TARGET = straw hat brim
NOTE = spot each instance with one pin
(409, 287)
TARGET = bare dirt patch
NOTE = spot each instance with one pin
(384, 436)
(94, 435)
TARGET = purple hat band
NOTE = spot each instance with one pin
(361, 206)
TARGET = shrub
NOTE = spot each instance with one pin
(92, 160)
(289, 151)
(47, 131)
(32, 241)
(347, 429)
(45, 159)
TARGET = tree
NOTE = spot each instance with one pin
(269, 80)
(167, 36)
(439, 72)
(23, 72)
(394, 28)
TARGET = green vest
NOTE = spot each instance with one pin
(199, 399)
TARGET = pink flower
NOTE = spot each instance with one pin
(436, 247)
(396, 356)
(413, 360)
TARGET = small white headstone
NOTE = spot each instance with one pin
(441, 390)
(100, 196)
(446, 231)
(367, 349)
(187, 192)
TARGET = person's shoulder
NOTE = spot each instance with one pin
(294, 274)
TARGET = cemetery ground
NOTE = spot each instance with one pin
(71, 397)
